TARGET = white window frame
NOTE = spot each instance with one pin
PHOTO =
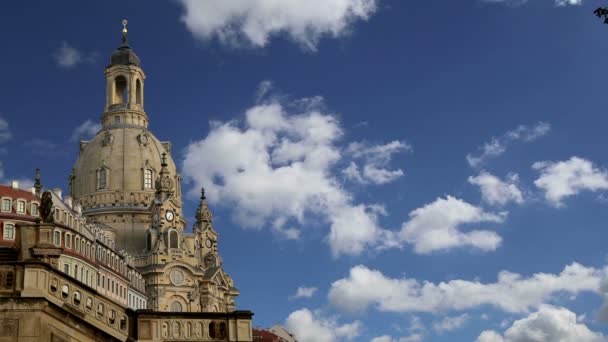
(55, 242)
(68, 240)
(148, 179)
(10, 206)
(4, 231)
(34, 206)
(19, 203)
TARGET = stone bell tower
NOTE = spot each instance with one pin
(114, 176)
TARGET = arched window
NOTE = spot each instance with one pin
(120, 87)
(57, 238)
(173, 239)
(76, 271)
(212, 332)
(176, 306)
(149, 241)
(138, 92)
(147, 179)
(76, 298)
(65, 291)
(103, 178)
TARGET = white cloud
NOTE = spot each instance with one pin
(498, 146)
(86, 130)
(67, 56)
(254, 22)
(305, 292)
(549, 323)
(387, 338)
(375, 159)
(495, 191)
(568, 178)
(5, 132)
(277, 168)
(511, 292)
(308, 328)
(568, 2)
(451, 323)
(435, 226)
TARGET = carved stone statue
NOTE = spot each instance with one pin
(46, 207)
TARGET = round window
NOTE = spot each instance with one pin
(177, 277)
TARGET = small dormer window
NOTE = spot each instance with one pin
(34, 210)
(21, 207)
(6, 204)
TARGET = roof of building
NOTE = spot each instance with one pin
(8, 191)
(264, 336)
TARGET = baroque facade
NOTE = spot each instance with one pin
(111, 260)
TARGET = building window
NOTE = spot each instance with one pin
(100, 309)
(66, 269)
(103, 178)
(21, 207)
(77, 244)
(65, 292)
(173, 239)
(9, 231)
(112, 317)
(68, 241)
(147, 179)
(76, 272)
(6, 204)
(176, 306)
(76, 298)
(116, 119)
(57, 238)
(89, 303)
(34, 209)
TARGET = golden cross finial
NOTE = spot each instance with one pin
(124, 25)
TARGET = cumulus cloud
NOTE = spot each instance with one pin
(511, 292)
(311, 327)
(305, 292)
(549, 323)
(498, 145)
(375, 159)
(435, 226)
(451, 323)
(567, 178)
(495, 191)
(86, 130)
(278, 168)
(254, 22)
(67, 56)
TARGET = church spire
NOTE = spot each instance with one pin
(125, 40)
(164, 184)
(203, 214)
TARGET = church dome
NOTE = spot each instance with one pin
(117, 169)
(124, 55)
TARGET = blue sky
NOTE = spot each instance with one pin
(333, 137)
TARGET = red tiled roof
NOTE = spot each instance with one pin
(13, 193)
(266, 336)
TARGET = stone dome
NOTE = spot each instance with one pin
(125, 154)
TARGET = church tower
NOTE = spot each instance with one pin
(114, 176)
(126, 181)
